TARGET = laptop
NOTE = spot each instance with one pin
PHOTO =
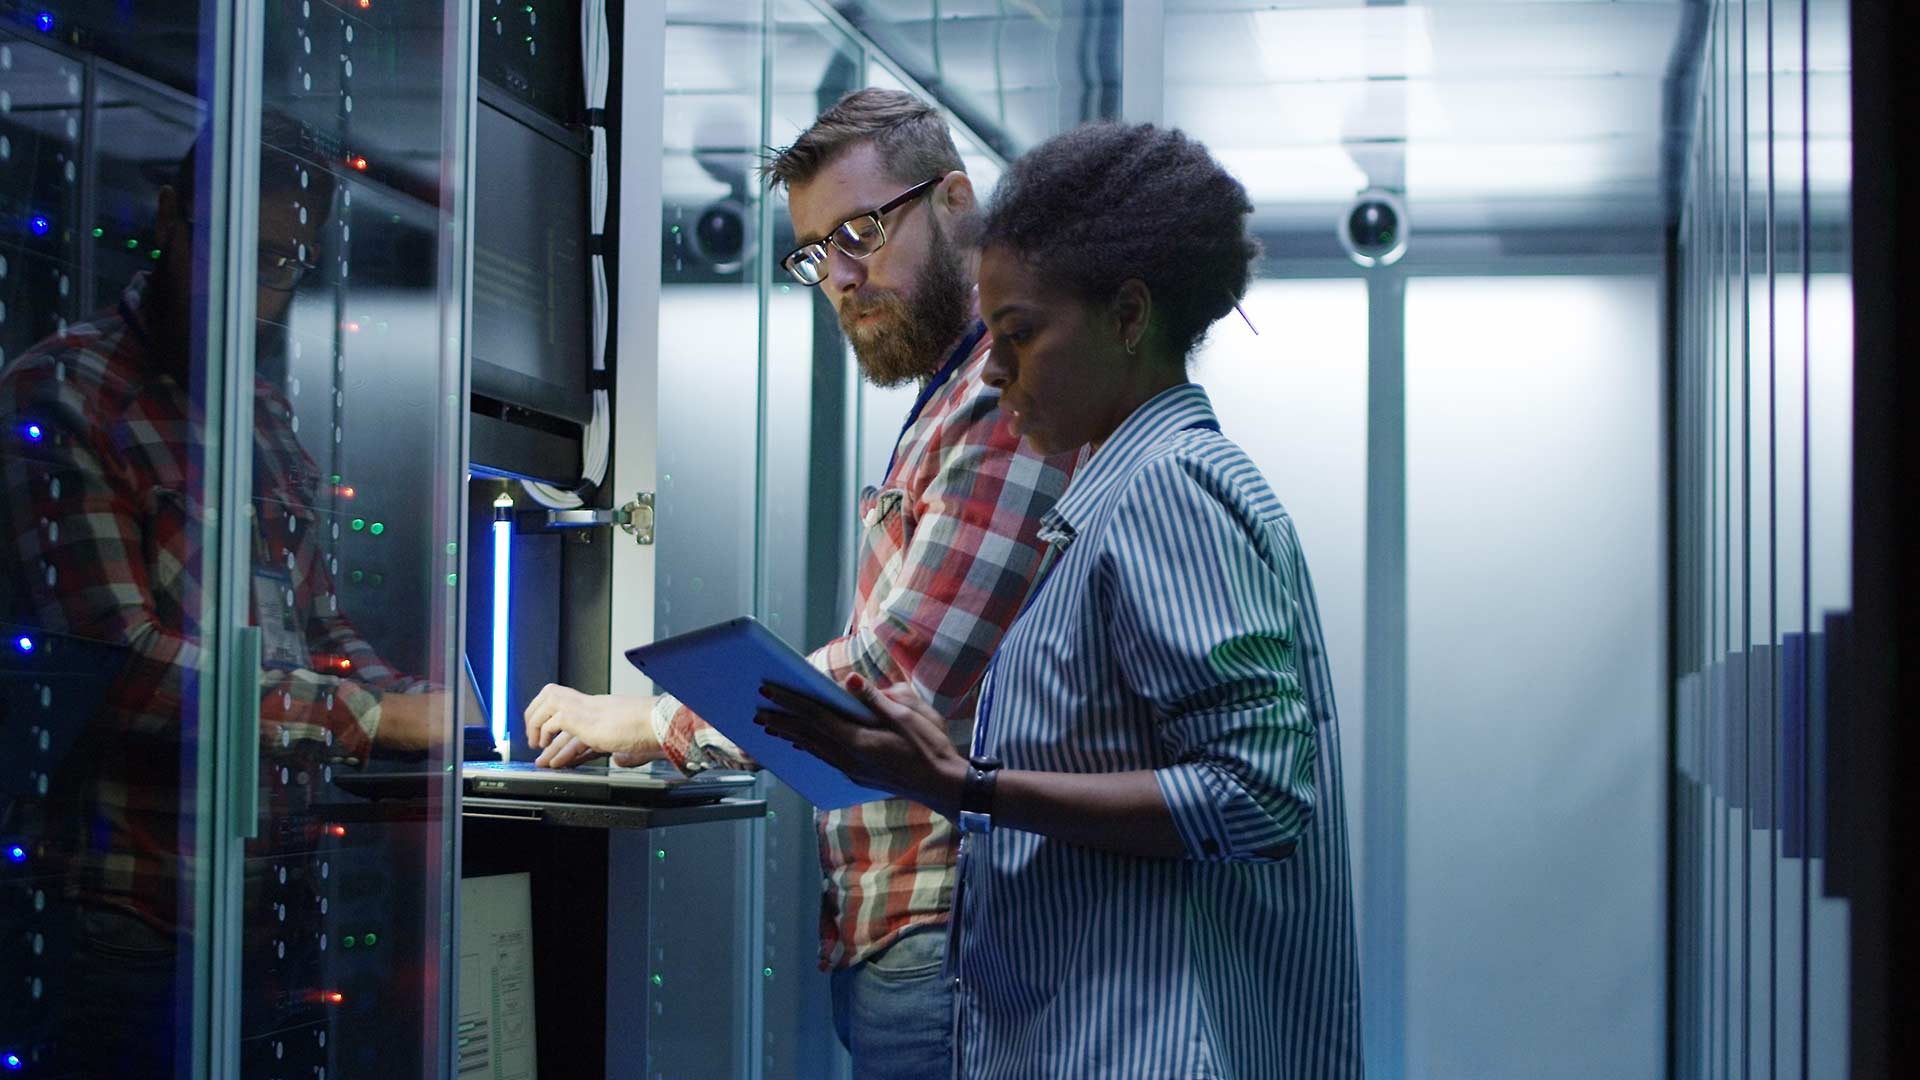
(658, 784)
(651, 785)
(654, 785)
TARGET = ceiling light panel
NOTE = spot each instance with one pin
(1343, 44)
(1473, 40)
(1537, 170)
(1300, 174)
(1512, 110)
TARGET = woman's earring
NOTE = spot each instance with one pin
(1129, 348)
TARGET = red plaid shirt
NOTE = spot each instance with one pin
(105, 529)
(948, 548)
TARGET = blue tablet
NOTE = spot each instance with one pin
(717, 672)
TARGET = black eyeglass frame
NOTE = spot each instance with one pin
(821, 246)
(280, 260)
(273, 263)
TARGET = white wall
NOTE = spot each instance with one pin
(1536, 731)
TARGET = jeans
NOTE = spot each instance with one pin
(121, 1009)
(894, 1010)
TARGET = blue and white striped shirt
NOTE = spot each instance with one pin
(1176, 632)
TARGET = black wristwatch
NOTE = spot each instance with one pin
(976, 794)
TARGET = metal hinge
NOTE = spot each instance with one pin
(636, 517)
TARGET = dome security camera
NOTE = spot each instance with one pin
(1374, 229)
(719, 235)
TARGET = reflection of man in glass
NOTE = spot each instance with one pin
(103, 526)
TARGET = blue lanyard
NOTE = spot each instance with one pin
(933, 386)
(983, 712)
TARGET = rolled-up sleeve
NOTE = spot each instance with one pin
(1206, 623)
(691, 744)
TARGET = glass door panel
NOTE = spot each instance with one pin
(348, 558)
(702, 965)
(110, 379)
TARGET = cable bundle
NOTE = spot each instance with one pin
(595, 46)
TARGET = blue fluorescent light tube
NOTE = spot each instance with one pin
(502, 590)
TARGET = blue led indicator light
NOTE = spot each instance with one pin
(13, 1062)
(39, 224)
(23, 643)
(17, 853)
(35, 432)
(45, 22)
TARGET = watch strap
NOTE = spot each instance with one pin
(976, 794)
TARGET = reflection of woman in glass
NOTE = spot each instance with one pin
(1156, 877)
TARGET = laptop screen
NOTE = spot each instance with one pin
(473, 703)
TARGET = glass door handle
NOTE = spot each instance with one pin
(243, 754)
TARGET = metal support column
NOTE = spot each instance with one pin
(1383, 949)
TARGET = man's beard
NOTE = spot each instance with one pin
(910, 337)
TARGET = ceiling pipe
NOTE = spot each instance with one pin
(1680, 92)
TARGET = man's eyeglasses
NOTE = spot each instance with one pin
(281, 272)
(857, 237)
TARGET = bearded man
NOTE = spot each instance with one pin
(882, 207)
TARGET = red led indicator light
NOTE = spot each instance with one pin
(337, 830)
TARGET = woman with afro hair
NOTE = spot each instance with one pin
(1155, 875)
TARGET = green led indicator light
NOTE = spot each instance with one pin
(379, 579)
(453, 579)
(660, 853)
(377, 529)
(154, 254)
(359, 575)
(348, 942)
(372, 940)
(768, 972)
(657, 980)
(98, 232)
(132, 242)
(453, 547)
(358, 523)
(334, 479)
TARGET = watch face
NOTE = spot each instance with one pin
(971, 822)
